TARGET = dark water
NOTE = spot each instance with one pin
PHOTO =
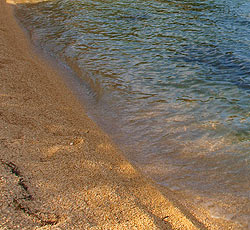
(170, 80)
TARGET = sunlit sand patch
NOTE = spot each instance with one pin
(54, 149)
(105, 147)
(91, 164)
(127, 170)
(77, 141)
(14, 2)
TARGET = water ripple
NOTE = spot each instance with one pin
(172, 77)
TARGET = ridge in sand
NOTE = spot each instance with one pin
(58, 170)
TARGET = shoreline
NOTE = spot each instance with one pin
(58, 168)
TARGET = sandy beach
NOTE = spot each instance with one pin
(58, 169)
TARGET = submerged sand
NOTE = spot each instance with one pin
(58, 170)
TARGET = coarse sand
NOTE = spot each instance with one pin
(58, 169)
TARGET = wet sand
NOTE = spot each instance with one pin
(58, 169)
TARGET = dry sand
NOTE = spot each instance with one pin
(58, 170)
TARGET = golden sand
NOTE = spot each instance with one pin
(58, 170)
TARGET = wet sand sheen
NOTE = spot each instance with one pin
(57, 167)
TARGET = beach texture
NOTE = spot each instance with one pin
(58, 170)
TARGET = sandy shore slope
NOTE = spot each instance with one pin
(58, 170)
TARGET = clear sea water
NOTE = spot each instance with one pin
(170, 82)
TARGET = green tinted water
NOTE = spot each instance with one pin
(170, 80)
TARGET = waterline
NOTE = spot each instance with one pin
(169, 81)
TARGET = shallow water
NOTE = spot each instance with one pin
(170, 81)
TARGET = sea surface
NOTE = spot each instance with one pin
(169, 81)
